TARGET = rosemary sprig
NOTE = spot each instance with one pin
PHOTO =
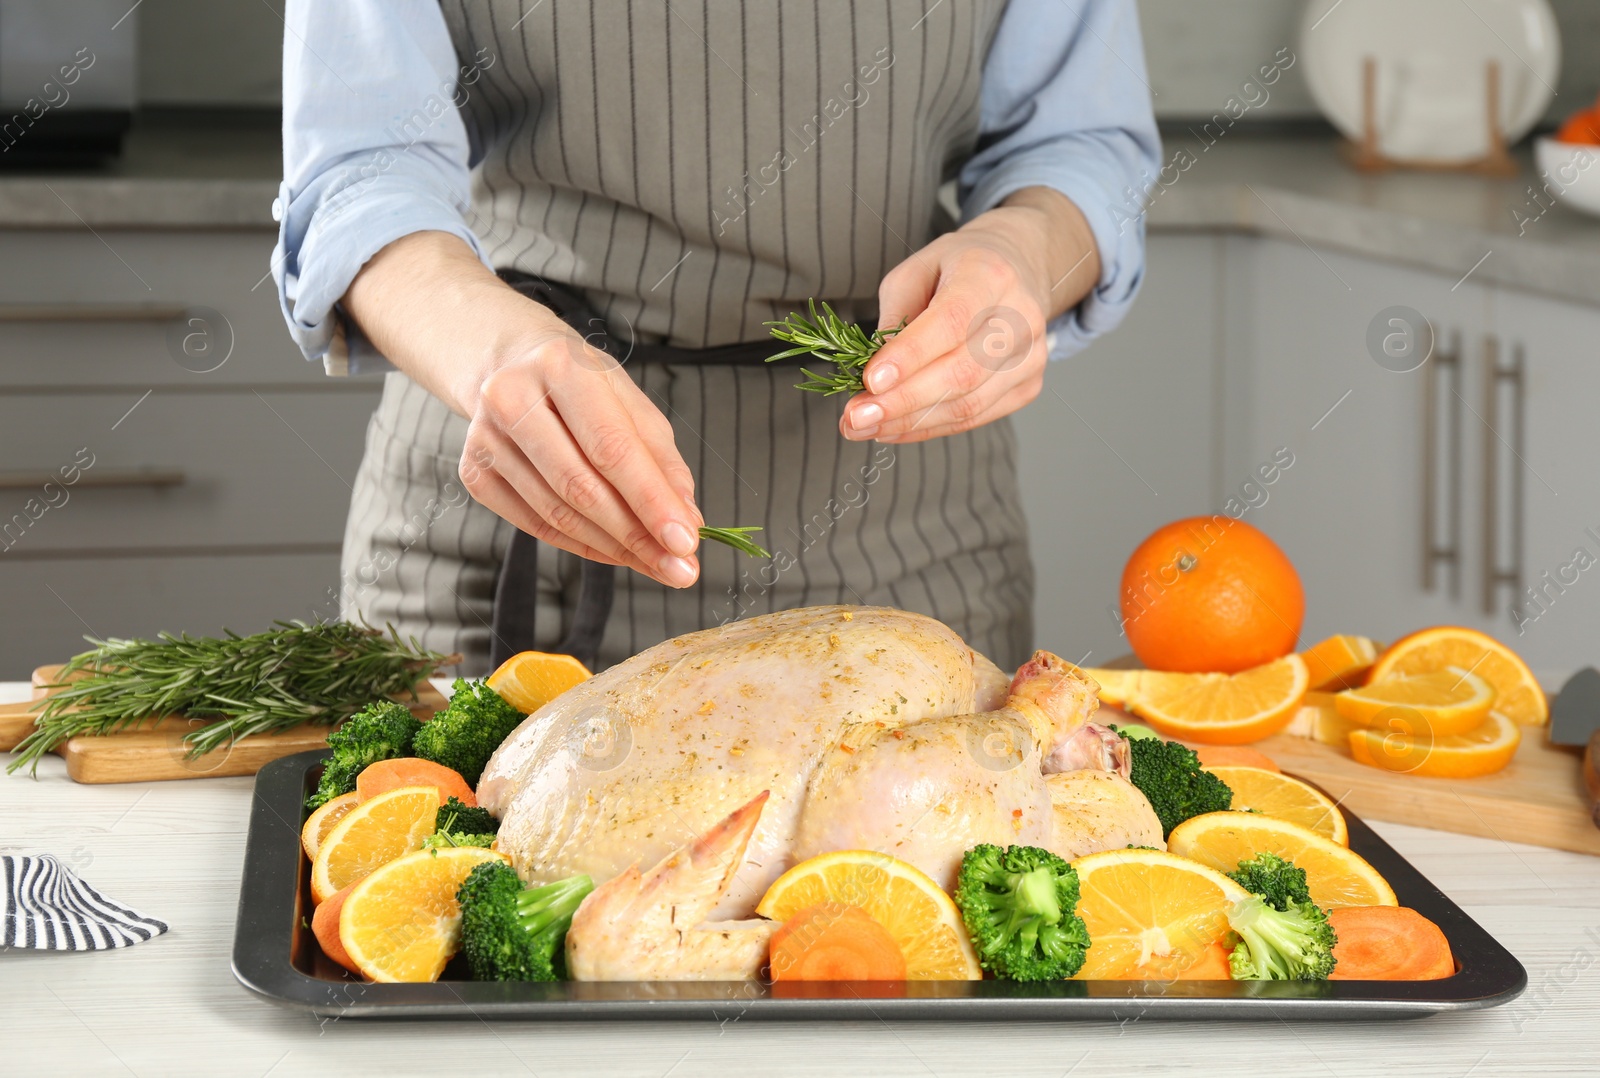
(738, 538)
(273, 680)
(827, 336)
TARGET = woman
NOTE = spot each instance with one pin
(654, 181)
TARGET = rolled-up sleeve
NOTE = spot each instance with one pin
(374, 149)
(1066, 105)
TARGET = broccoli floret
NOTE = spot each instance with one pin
(469, 819)
(380, 731)
(465, 734)
(513, 933)
(1019, 905)
(1283, 935)
(1292, 944)
(1274, 879)
(461, 825)
(440, 840)
(1171, 778)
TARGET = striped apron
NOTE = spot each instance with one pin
(692, 170)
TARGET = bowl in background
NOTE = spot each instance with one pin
(1572, 171)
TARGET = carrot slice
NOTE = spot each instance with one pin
(834, 942)
(1234, 756)
(1388, 943)
(386, 775)
(1212, 965)
(325, 926)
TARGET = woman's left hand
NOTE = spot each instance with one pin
(975, 302)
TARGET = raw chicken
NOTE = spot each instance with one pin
(869, 728)
(653, 927)
(1099, 810)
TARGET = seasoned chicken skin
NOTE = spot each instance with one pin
(866, 727)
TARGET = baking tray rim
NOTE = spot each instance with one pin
(274, 914)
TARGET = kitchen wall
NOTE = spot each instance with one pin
(227, 52)
(210, 52)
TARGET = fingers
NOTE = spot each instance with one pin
(973, 283)
(586, 457)
(614, 452)
(902, 296)
(495, 494)
(522, 496)
(937, 426)
(584, 478)
(656, 430)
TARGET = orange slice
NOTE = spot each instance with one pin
(320, 822)
(1318, 719)
(371, 834)
(531, 679)
(1445, 702)
(1339, 661)
(1517, 693)
(1222, 709)
(919, 915)
(1335, 876)
(1284, 798)
(1480, 751)
(402, 923)
(1150, 915)
(1116, 686)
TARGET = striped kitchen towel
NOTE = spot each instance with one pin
(47, 908)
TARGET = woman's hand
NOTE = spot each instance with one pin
(976, 302)
(560, 442)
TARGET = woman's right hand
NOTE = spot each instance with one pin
(560, 442)
(563, 445)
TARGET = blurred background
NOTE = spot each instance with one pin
(143, 355)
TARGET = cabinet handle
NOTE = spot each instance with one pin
(91, 312)
(105, 477)
(1494, 377)
(1434, 550)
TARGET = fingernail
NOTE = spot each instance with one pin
(865, 416)
(678, 572)
(862, 435)
(678, 539)
(882, 377)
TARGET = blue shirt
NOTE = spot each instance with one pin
(1064, 104)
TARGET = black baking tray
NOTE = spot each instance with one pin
(276, 957)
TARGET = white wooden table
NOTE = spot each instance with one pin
(171, 1006)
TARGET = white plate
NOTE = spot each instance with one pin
(1432, 98)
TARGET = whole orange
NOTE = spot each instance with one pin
(1210, 595)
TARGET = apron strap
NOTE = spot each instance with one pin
(516, 596)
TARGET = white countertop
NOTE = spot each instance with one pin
(174, 850)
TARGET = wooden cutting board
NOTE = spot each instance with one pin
(1538, 799)
(154, 749)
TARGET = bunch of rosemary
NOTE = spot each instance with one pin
(283, 677)
(827, 336)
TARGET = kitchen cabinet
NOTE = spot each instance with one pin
(1245, 351)
(1557, 345)
(167, 458)
(1352, 512)
(1122, 439)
